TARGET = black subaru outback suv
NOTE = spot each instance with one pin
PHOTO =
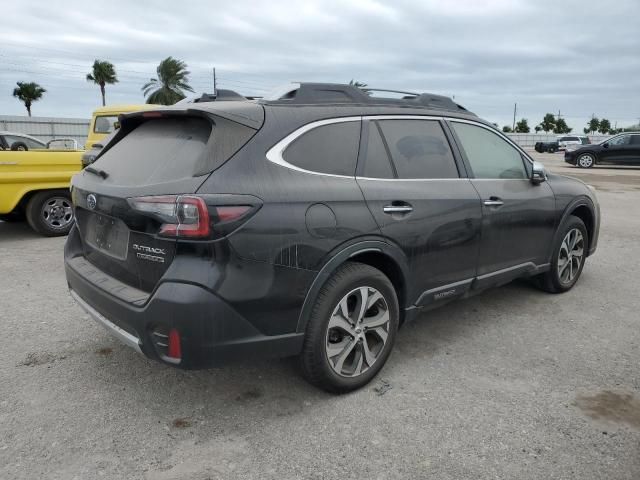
(314, 223)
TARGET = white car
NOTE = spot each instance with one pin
(577, 140)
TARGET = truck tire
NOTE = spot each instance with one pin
(551, 149)
(19, 147)
(50, 213)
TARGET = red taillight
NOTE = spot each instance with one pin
(182, 215)
(174, 349)
(187, 216)
(192, 219)
(229, 213)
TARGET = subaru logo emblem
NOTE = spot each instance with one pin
(92, 201)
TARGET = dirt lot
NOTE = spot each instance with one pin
(511, 384)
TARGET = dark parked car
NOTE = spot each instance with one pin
(561, 143)
(622, 149)
(313, 223)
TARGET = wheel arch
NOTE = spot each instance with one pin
(587, 215)
(22, 197)
(584, 209)
(387, 258)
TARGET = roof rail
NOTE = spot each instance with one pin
(304, 93)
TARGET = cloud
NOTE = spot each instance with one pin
(577, 57)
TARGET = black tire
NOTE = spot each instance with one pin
(46, 223)
(19, 146)
(552, 281)
(551, 149)
(317, 367)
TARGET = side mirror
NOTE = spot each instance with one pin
(538, 173)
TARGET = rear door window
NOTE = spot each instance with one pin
(419, 149)
(158, 151)
(105, 124)
(377, 163)
(489, 155)
(331, 149)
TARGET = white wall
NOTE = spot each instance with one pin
(47, 128)
(529, 139)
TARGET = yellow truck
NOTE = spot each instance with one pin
(35, 183)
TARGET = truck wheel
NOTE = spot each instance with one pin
(19, 147)
(50, 213)
(551, 149)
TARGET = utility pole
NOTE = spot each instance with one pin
(558, 114)
(515, 109)
(215, 83)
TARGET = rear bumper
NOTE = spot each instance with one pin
(211, 332)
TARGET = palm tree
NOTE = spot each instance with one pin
(28, 92)
(102, 73)
(172, 79)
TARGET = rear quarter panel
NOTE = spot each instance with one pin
(24, 172)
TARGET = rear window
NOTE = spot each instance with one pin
(157, 151)
(329, 149)
(105, 124)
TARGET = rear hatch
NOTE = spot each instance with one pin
(137, 200)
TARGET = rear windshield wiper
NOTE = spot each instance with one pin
(101, 173)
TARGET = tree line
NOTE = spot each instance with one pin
(168, 88)
(559, 126)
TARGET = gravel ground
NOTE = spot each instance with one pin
(514, 383)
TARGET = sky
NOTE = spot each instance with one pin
(576, 57)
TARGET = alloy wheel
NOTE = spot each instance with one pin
(585, 161)
(357, 331)
(570, 256)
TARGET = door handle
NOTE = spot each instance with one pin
(397, 209)
(493, 202)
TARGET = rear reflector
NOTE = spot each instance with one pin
(152, 115)
(174, 350)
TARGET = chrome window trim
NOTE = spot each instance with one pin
(274, 154)
(411, 179)
(402, 117)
